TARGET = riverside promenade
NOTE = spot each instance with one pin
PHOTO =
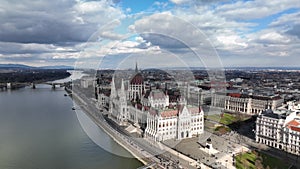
(154, 154)
(94, 113)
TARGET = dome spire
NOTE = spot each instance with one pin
(136, 67)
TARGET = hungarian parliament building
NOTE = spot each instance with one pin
(151, 113)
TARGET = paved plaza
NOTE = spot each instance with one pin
(192, 147)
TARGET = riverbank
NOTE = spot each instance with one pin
(94, 113)
(38, 129)
(33, 76)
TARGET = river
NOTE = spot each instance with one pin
(39, 130)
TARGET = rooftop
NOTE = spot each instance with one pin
(157, 94)
(137, 79)
(169, 113)
(275, 115)
(294, 125)
(239, 95)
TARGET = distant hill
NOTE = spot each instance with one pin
(264, 68)
(14, 66)
(20, 66)
(227, 68)
(56, 67)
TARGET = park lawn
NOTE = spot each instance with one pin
(252, 160)
(228, 119)
(225, 119)
(214, 117)
(209, 126)
(246, 161)
(222, 130)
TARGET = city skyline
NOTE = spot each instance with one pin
(244, 33)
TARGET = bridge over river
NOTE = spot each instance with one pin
(14, 85)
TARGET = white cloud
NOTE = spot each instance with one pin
(97, 12)
(44, 31)
(230, 42)
(169, 29)
(287, 20)
(288, 24)
(126, 47)
(222, 32)
(107, 31)
(111, 35)
(114, 48)
(228, 29)
(128, 10)
(255, 9)
(273, 37)
(179, 1)
(139, 39)
(57, 30)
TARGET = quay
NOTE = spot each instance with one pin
(147, 166)
(98, 118)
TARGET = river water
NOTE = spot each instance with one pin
(39, 130)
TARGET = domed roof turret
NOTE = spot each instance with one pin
(137, 79)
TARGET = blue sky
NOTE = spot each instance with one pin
(243, 33)
(137, 6)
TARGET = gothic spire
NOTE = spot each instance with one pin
(122, 85)
(113, 88)
(136, 67)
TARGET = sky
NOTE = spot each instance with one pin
(231, 33)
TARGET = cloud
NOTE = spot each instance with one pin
(177, 36)
(47, 31)
(166, 30)
(288, 23)
(53, 21)
(286, 20)
(107, 31)
(223, 33)
(231, 41)
(295, 31)
(196, 2)
(35, 54)
(272, 37)
(229, 28)
(131, 47)
(179, 1)
(255, 9)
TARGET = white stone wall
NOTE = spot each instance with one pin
(159, 103)
(179, 127)
(167, 128)
(292, 142)
(184, 124)
(244, 105)
(197, 124)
